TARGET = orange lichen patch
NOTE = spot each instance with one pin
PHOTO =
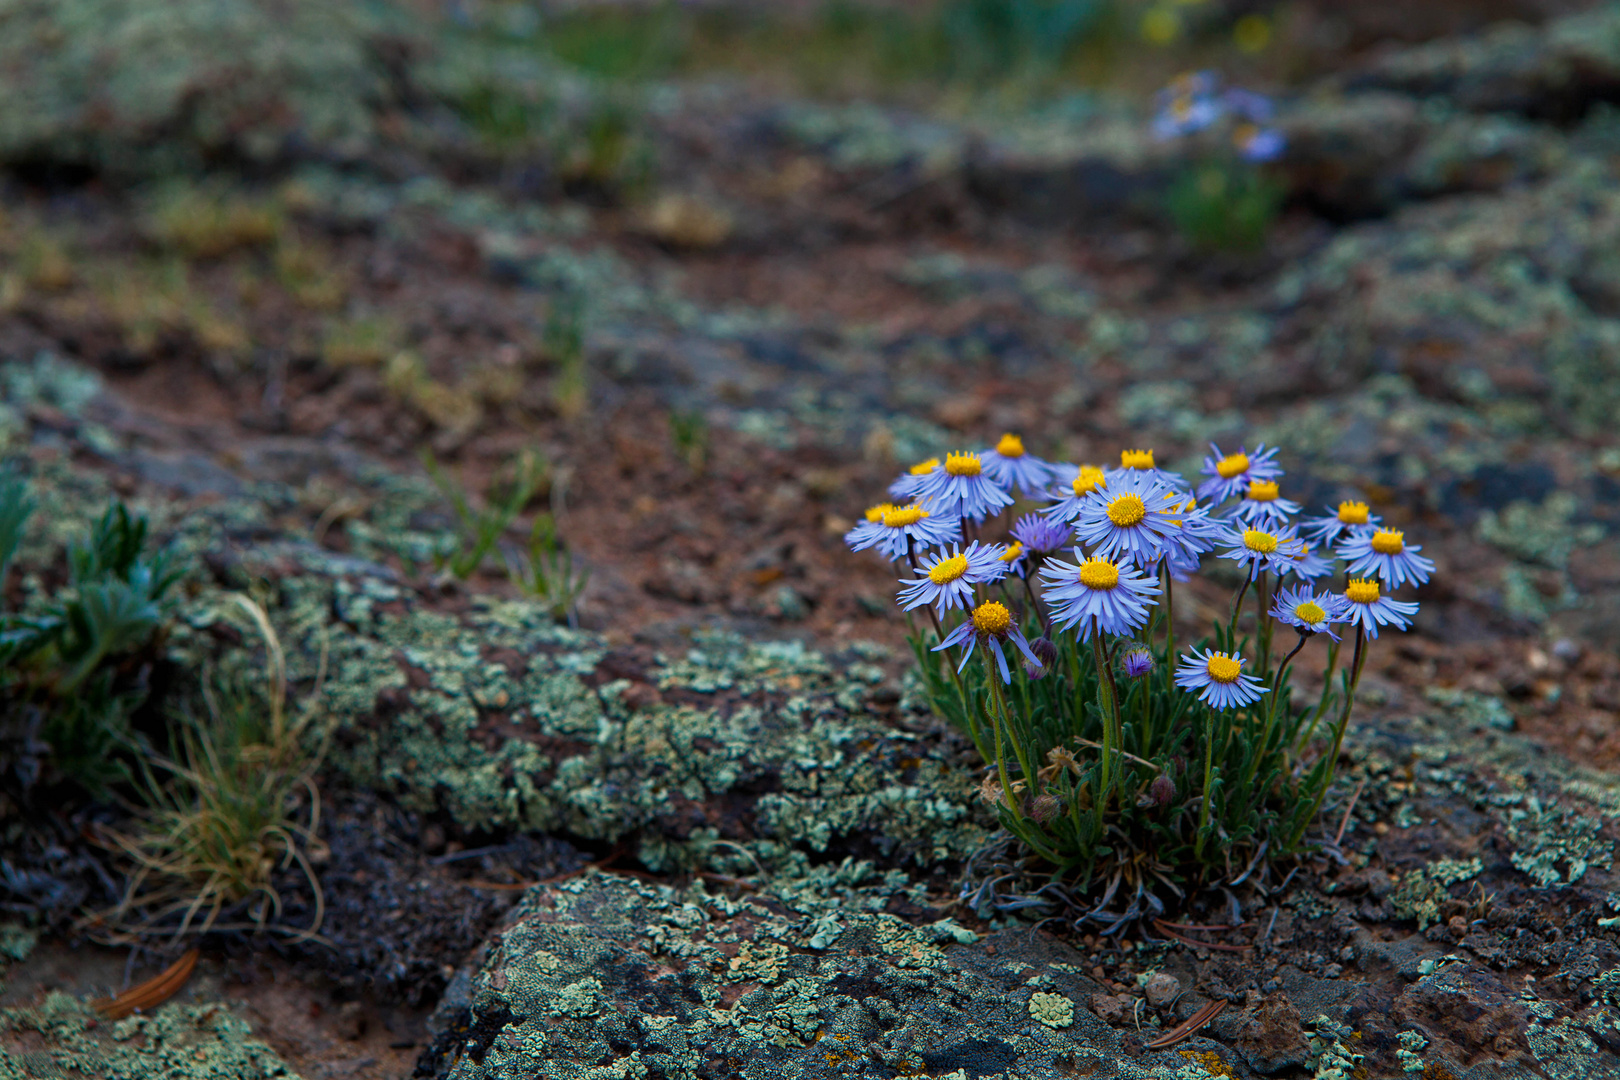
(1211, 1061)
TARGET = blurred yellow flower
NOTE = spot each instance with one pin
(1161, 26)
(1252, 33)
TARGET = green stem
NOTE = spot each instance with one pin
(1327, 695)
(1074, 677)
(1357, 662)
(1271, 718)
(961, 690)
(1035, 603)
(1007, 792)
(1006, 720)
(1108, 701)
(1209, 765)
(1237, 606)
(1262, 623)
(1169, 631)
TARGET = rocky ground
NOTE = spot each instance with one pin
(704, 826)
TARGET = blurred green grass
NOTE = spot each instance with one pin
(841, 45)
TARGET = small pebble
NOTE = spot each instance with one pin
(1161, 989)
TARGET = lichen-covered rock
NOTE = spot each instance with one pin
(732, 755)
(742, 753)
(1479, 285)
(1366, 154)
(1554, 71)
(147, 87)
(63, 1037)
(605, 977)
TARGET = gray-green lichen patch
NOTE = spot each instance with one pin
(16, 942)
(1420, 891)
(1569, 1043)
(1331, 1055)
(144, 87)
(63, 1037)
(607, 977)
(731, 755)
(1556, 845)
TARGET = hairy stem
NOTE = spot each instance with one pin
(1358, 660)
(1271, 717)
(1108, 702)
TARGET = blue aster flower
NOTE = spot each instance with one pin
(1189, 104)
(899, 529)
(1013, 556)
(1139, 463)
(1308, 565)
(1263, 506)
(1231, 474)
(1183, 564)
(863, 535)
(1256, 108)
(1192, 535)
(1014, 468)
(1084, 480)
(1220, 676)
(910, 483)
(1136, 662)
(1369, 609)
(948, 577)
(1349, 517)
(1260, 549)
(1130, 517)
(961, 484)
(1256, 143)
(1386, 552)
(992, 624)
(1097, 595)
(1040, 534)
(1310, 613)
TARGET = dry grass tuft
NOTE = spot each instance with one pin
(240, 806)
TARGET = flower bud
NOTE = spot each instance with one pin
(1045, 808)
(1137, 663)
(1162, 790)
(1045, 651)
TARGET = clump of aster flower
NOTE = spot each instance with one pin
(1117, 757)
(1224, 198)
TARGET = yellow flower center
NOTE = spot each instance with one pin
(1010, 446)
(1089, 479)
(1353, 513)
(1232, 465)
(901, 516)
(1136, 459)
(1263, 491)
(1388, 542)
(875, 513)
(1362, 591)
(1015, 549)
(1192, 504)
(1223, 668)
(948, 570)
(1310, 611)
(962, 464)
(1127, 510)
(992, 618)
(1099, 574)
(1259, 540)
